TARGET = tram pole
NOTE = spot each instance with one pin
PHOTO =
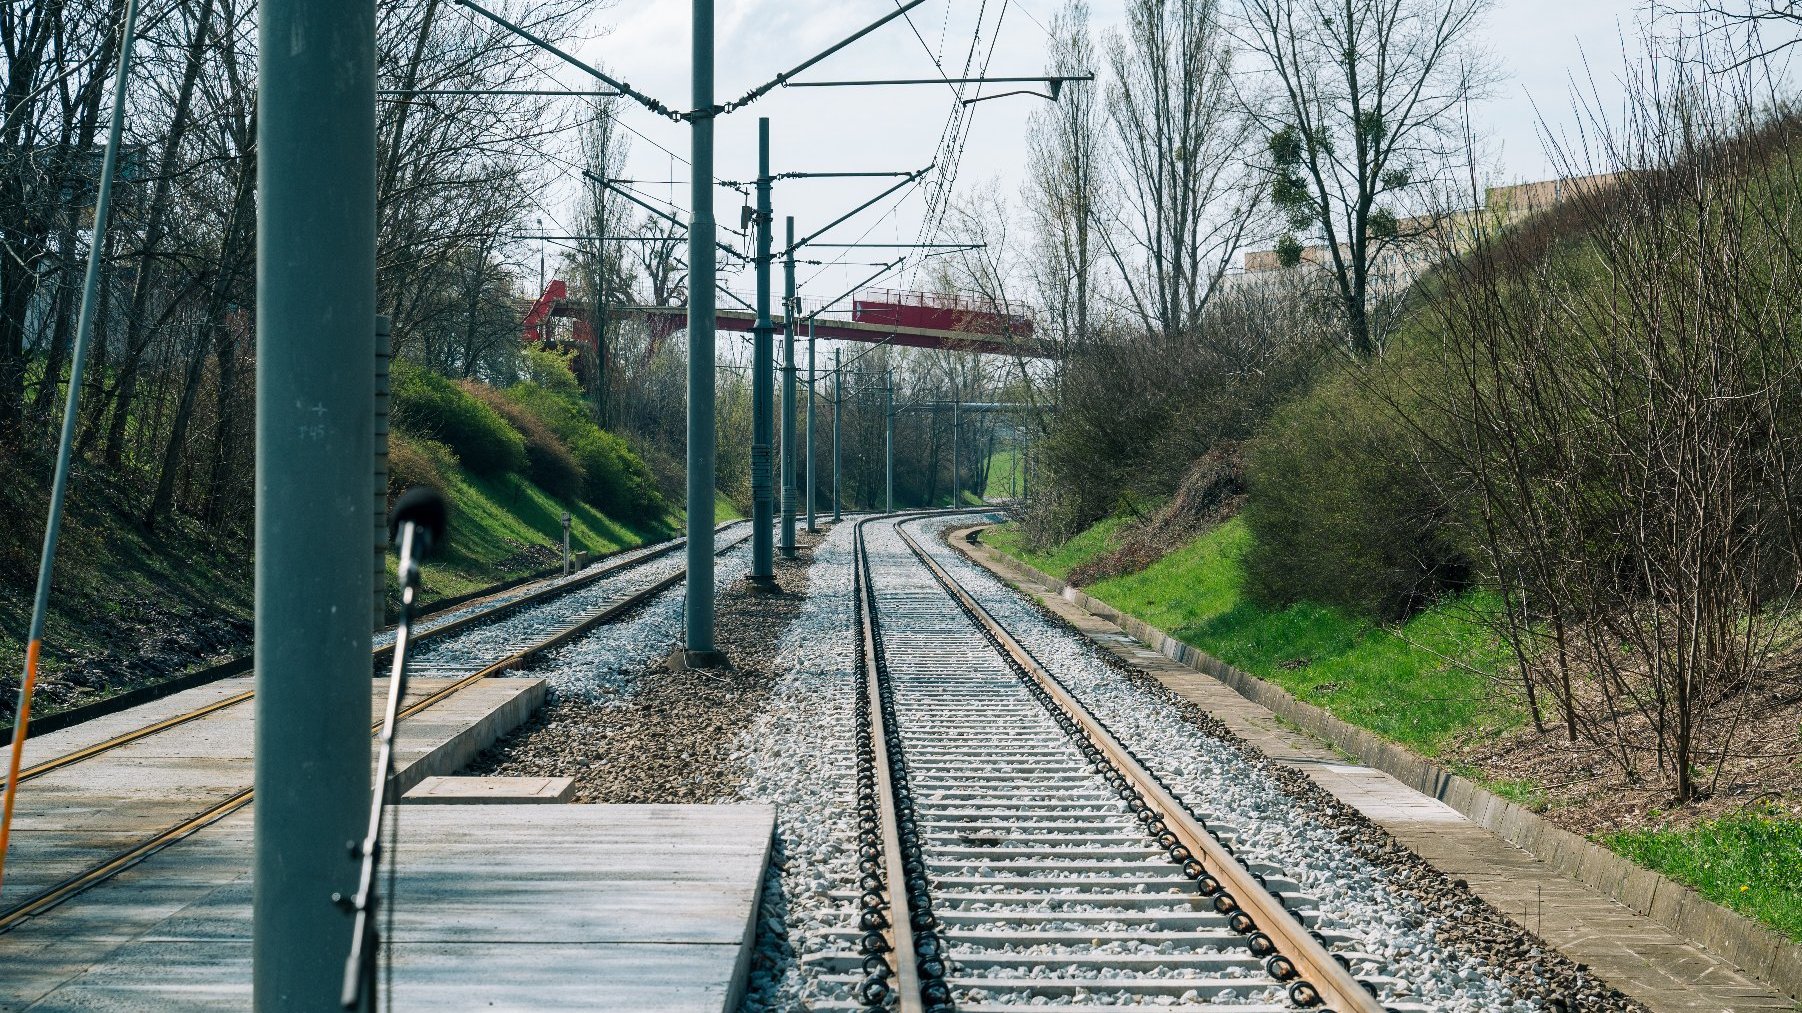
(315, 398)
(701, 320)
(811, 487)
(956, 423)
(838, 402)
(763, 380)
(788, 392)
(888, 405)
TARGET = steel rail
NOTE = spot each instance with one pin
(549, 592)
(50, 897)
(1332, 984)
(900, 932)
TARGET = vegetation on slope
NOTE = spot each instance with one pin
(1436, 683)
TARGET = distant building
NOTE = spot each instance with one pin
(1427, 238)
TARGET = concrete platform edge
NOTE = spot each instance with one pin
(1752, 947)
(741, 968)
(454, 753)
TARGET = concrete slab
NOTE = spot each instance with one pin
(493, 790)
(72, 818)
(612, 908)
(1635, 954)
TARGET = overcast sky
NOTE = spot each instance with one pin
(1539, 44)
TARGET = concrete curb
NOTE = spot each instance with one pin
(1755, 949)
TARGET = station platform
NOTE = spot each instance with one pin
(499, 906)
(619, 908)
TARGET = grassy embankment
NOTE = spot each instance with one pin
(1430, 684)
(505, 527)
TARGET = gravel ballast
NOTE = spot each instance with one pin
(632, 727)
(1455, 951)
(800, 755)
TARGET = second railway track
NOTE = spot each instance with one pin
(474, 642)
(1014, 854)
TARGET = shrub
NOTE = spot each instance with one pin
(615, 480)
(1345, 508)
(549, 463)
(428, 406)
(413, 461)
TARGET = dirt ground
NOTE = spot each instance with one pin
(1587, 788)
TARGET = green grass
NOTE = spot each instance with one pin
(494, 523)
(1058, 562)
(1423, 684)
(1003, 482)
(724, 510)
(1750, 862)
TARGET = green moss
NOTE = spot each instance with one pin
(1750, 862)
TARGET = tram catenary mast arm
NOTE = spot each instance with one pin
(654, 209)
(624, 89)
(908, 180)
(783, 78)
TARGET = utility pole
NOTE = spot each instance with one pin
(315, 397)
(956, 405)
(763, 380)
(701, 319)
(888, 405)
(599, 393)
(788, 392)
(566, 543)
(811, 486)
(838, 402)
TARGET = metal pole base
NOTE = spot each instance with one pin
(763, 584)
(681, 660)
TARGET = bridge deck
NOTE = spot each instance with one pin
(825, 329)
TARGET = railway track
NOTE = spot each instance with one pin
(1013, 853)
(527, 625)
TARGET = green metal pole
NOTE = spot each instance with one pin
(384, 347)
(788, 393)
(701, 318)
(59, 483)
(956, 423)
(888, 404)
(811, 526)
(763, 379)
(600, 343)
(315, 438)
(838, 404)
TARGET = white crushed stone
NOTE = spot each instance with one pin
(800, 754)
(1354, 896)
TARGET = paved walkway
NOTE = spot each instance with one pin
(1633, 953)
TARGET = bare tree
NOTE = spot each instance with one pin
(1185, 194)
(1363, 108)
(1760, 29)
(1625, 416)
(1064, 170)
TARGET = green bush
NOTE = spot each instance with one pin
(549, 463)
(1345, 507)
(427, 406)
(413, 461)
(615, 479)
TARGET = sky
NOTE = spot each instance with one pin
(1538, 44)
